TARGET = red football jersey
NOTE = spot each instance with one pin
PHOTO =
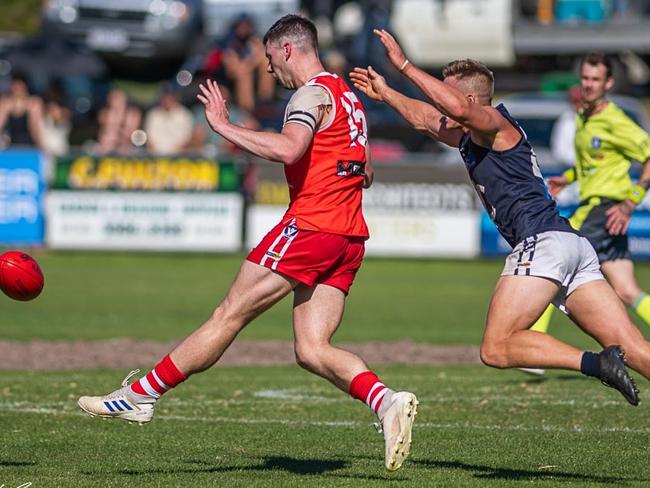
(326, 184)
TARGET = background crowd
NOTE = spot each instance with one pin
(48, 114)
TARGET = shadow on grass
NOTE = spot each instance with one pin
(538, 379)
(326, 467)
(572, 377)
(301, 466)
(16, 463)
(271, 463)
(489, 472)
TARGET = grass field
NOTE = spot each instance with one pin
(100, 296)
(281, 427)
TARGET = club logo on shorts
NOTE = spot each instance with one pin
(596, 142)
(273, 255)
(289, 231)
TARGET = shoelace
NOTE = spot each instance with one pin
(119, 393)
(125, 381)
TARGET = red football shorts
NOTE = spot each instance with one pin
(310, 257)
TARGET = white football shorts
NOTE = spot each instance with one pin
(564, 257)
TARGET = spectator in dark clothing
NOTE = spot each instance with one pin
(21, 115)
(239, 62)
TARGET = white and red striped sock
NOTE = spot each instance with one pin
(159, 380)
(370, 390)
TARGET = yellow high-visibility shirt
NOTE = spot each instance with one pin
(605, 144)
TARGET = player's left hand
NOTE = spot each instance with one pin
(216, 112)
(393, 50)
(618, 217)
(369, 82)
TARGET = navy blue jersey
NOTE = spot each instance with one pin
(511, 187)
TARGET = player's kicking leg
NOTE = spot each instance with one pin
(255, 289)
(317, 314)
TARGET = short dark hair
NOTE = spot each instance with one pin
(594, 58)
(293, 26)
(467, 67)
(475, 75)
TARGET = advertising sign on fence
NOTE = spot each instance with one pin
(411, 210)
(144, 221)
(492, 244)
(145, 203)
(22, 185)
(145, 173)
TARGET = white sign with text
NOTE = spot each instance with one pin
(144, 221)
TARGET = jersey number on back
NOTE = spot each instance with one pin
(356, 119)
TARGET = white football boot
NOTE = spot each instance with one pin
(535, 371)
(396, 425)
(121, 404)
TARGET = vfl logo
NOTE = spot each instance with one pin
(596, 142)
(289, 231)
(350, 168)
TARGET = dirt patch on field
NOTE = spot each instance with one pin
(126, 353)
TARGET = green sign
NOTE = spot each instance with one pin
(145, 174)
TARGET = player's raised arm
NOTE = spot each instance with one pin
(420, 115)
(286, 147)
(471, 111)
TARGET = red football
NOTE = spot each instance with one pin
(21, 277)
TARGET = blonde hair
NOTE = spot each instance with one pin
(474, 76)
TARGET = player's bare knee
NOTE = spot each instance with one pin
(228, 317)
(494, 355)
(627, 293)
(308, 357)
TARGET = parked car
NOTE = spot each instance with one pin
(155, 30)
(218, 15)
(538, 112)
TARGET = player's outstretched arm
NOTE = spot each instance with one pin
(286, 147)
(420, 115)
(446, 99)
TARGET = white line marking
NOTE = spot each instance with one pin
(24, 407)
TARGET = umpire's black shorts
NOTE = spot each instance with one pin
(590, 219)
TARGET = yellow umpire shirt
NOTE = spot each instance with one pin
(605, 144)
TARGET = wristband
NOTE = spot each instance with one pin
(401, 68)
(570, 175)
(636, 194)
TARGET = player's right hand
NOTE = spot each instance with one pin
(216, 112)
(394, 52)
(556, 184)
(369, 82)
